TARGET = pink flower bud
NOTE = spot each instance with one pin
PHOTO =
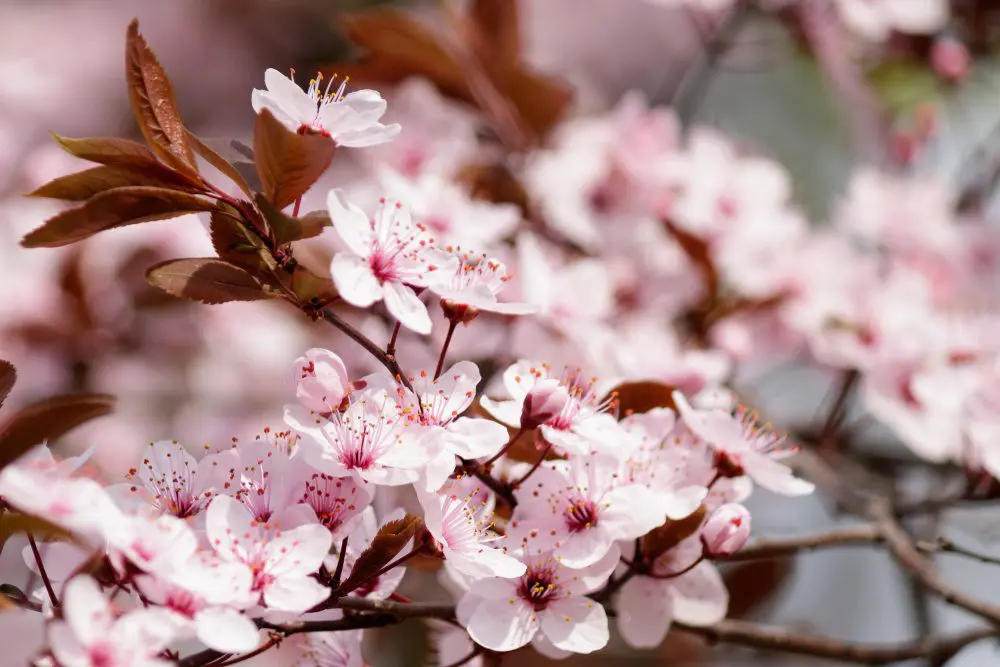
(726, 531)
(545, 400)
(950, 59)
(322, 380)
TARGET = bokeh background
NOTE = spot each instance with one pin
(83, 319)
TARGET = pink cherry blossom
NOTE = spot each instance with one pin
(153, 544)
(433, 420)
(204, 596)
(171, 481)
(91, 636)
(321, 379)
(365, 440)
(648, 605)
(545, 604)
(280, 555)
(388, 257)
(746, 445)
(584, 414)
(474, 287)
(464, 534)
(272, 479)
(351, 119)
(332, 649)
(61, 560)
(579, 508)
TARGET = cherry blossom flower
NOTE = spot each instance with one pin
(151, 544)
(170, 481)
(455, 219)
(321, 379)
(272, 479)
(281, 555)
(351, 119)
(365, 440)
(433, 418)
(726, 530)
(750, 448)
(388, 257)
(203, 597)
(544, 606)
(684, 588)
(91, 636)
(579, 508)
(464, 534)
(584, 414)
(332, 649)
(474, 287)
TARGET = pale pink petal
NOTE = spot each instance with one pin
(775, 476)
(299, 551)
(632, 511)
(86, 609)
(295, 594)
(371, 136)
(585, 547)
(683, 502)
(578, 625)
(406, 307)
(645, 611)
(354, 280)
(261, 100)
(351, 223)
(700, 597)
(226, 630)
(295, 101)
(508, 412)
(501, 626)
(474, 438)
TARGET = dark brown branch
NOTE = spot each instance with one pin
(841, 537)
(776, 639)
(364, 341)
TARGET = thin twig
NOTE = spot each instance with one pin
(364, 341)
(848, 382)
(390, 349)
(866, 534)
(341, 559)
(944, 545)
(444, 348)
(41, 570)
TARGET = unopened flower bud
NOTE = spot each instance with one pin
(545, 400)
(459, 313)
(726, 531)
(322, 380)
(950, 59)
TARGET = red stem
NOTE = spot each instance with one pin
(41, 570)
(444, 349)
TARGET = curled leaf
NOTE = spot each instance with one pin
(48, 420)
(220, 163)
(107, 150)
(208, 280)
(111, 209)
(288, 163)
(664, 538)
(391, 539)
(153, 103)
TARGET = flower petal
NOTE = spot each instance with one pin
(355, 281)
(351, 223)
(226, 630)
(403, 304)
(503, 624)
(576, 624)
(645, 612)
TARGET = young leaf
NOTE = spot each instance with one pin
(220, 163)
(83, 185)
(208, 280)
(310, 288)
(498, 28)
(643, 396)
(107, 150)
(388, 542)
(288, 163)
(286, 228)
(114, 208)
(663, 538)
(8, 375)
(153, 103)
(234, 242)
(48, 420)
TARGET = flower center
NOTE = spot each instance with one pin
(101, 655)
(582, 515)
(538, 587)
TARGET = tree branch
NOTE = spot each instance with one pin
(364, 341)
(866, 534)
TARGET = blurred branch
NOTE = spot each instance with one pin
(944, 545)
(364, 341)
(844, 537)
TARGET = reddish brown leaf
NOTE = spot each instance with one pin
(286, 228)
(48, 420)
(114, 208)
(85, 184)
(638, 397)
(107, 150)
(14, 523)
(698, 252)
(310, 288)
(234, 242)
(288, 163)
(153, 103)
(499, 29)
(208, 280)
(388, 542)
(660, 540)
(220, 163)
(8, 375)
(541, 100)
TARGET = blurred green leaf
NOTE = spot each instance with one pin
(904, 85)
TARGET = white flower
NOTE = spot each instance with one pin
(350, 119)
(475, 284)
(388, 257)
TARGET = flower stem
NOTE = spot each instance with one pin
(367, 343)
(295, 209)
(538, 463)
(444, 348)
(510, 443)
(339, 572)
(41, 570)
(390, 349)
